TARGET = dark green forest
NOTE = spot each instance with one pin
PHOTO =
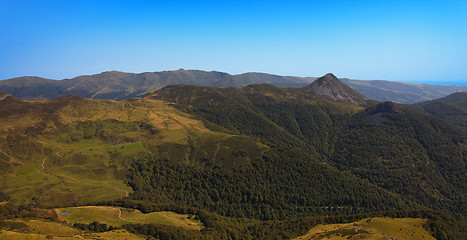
(419, 160)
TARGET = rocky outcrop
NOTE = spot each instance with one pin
(331, 87)
(380, 112)
(4, 95)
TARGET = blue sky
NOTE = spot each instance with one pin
(417, 41)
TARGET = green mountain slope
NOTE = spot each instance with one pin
(412, 154)
(452, 108)
(392, 147)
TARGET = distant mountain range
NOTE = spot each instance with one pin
(120, 85)
(401, 92)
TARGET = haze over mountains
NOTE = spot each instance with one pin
(400, 91)
(119, 85)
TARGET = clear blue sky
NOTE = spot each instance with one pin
(418, 41)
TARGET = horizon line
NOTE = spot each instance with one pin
(427, 82)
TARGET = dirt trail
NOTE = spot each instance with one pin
(121, 190)
(42, 165)
(72, 178)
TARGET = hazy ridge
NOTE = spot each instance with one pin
(120, 85)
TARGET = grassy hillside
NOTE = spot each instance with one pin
(113, 216)
(73, 150)
(42, 229)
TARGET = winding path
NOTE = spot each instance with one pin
(63, 175)
(127, 220)
(42, 165)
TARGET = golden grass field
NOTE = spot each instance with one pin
(372, 228)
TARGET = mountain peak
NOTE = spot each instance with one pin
(331, 87)
(328, 79)
(330, 75)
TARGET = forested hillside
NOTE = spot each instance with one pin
(419, 157)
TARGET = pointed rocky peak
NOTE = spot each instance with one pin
(331, 87)
(328, 79)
